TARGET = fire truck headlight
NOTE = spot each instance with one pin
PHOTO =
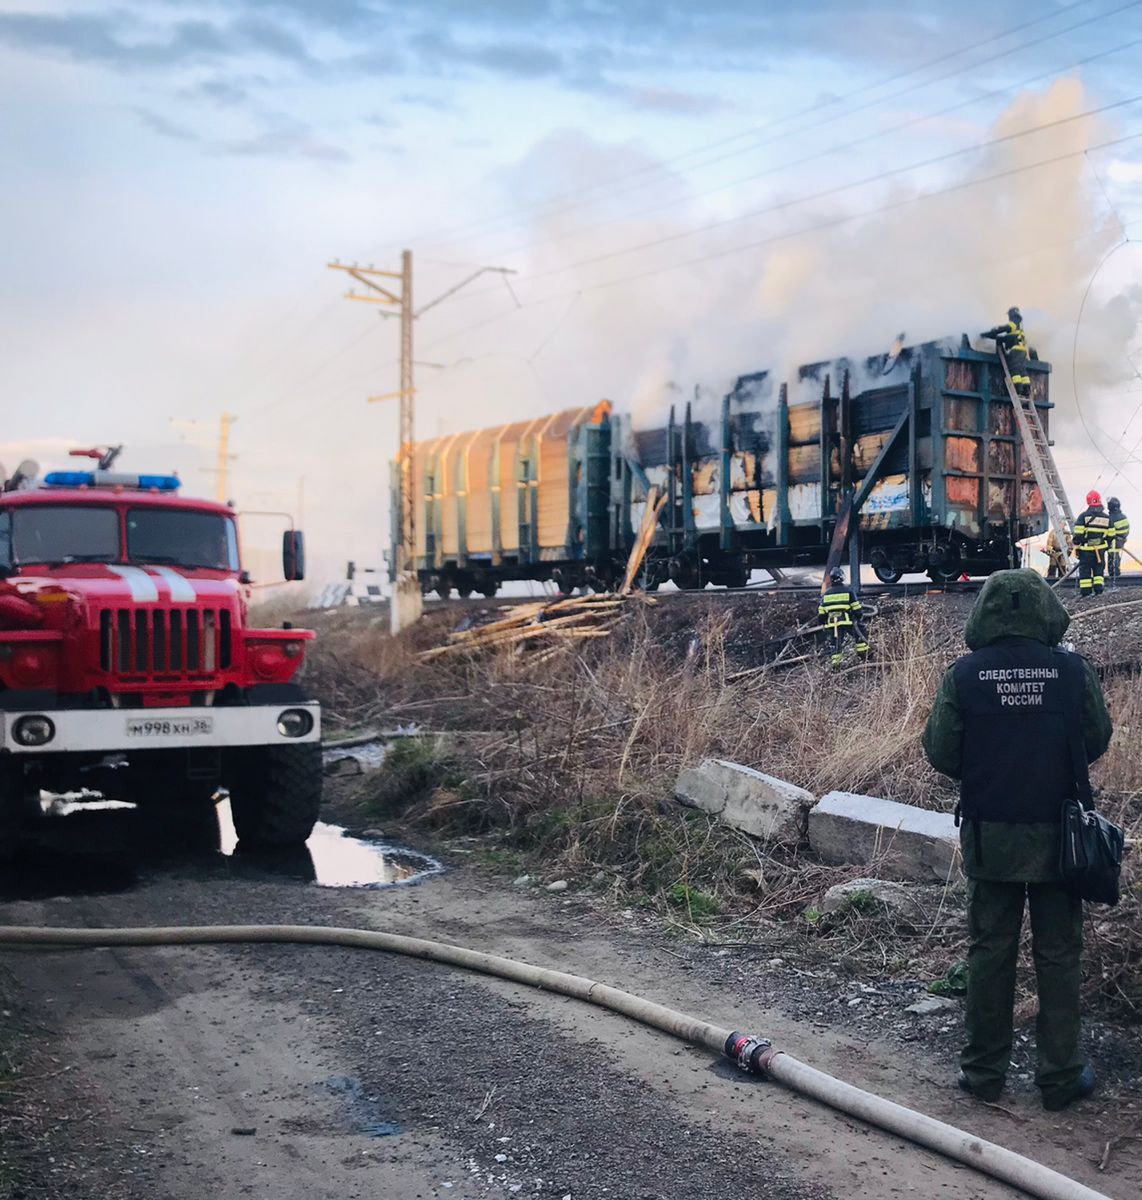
(33, 731)
(294, 722)
(267, 661)
(29, 667)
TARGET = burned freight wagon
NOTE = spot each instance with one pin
(910, 462)
(913, 458)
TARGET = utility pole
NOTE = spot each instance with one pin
(407, 601)
(225, 458)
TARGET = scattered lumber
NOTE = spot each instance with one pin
(550, 623)
(654, 506)
(555, 623)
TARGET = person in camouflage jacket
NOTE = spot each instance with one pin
(1002, 725)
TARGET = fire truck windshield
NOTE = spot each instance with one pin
(58, 534)
(181, 538)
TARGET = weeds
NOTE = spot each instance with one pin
(573, 762)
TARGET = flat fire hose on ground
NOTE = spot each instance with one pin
(754, 1055)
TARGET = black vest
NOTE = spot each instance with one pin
(1018, 699)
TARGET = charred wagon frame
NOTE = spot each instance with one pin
(911, 462)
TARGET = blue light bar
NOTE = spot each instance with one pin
(160, 483)
(110, 479)
(69, 478)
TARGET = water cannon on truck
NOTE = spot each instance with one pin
(128, 664)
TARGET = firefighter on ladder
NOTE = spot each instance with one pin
(840, 608)
(1119, 532)
(1010, 338)
(1092, 528)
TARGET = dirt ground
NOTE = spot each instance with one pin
(303, 1072)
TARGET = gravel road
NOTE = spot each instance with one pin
(314, 1073)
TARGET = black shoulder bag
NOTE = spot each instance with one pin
(1090, 856)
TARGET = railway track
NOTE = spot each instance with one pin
(1130, 582)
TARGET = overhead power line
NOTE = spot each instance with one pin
(812, 197)
(608, 186)
(825, 193)
(816, 156)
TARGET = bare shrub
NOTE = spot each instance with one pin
(574, 758)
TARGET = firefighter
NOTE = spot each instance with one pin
(839, 606)
(1057, 558)
(1092, 527)
(1119, 532)
(1000, 726)
(1010, 337)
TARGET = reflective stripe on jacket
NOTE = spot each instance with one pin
(838, 605)
(1119, 531)
(1092, 528)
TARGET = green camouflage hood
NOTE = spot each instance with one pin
(1016, 604)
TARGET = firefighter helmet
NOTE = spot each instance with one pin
(1013, 314)
(1114, 504)
(837, 577)
(1092, 497)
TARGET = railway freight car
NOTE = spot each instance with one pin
(912, 461)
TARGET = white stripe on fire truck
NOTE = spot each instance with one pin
(182, 590)
(143, 587)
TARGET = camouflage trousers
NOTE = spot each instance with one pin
(995, 918)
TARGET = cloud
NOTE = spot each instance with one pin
(121, 43)
(284, 141)
(159, 124)
(228, 92)
(101, 39)
(425, 100)
(438, 50)
(671, 101)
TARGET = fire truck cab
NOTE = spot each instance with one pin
(127, 664)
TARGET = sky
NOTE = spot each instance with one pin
(684, 193)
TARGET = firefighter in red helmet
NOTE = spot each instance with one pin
(1092, 531)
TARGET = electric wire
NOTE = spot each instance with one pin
(828, 152)
(825, 193)
(881, 99)
(608, 185)
(1075, 346)
(830, 224)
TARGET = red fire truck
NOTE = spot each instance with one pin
(127, 665)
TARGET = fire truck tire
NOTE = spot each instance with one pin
(276, 797)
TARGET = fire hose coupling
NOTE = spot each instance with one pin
(750, 1053)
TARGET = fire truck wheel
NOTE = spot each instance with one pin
(277, 795)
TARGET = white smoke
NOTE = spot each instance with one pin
(931, 264)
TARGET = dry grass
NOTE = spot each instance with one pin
(574, 762)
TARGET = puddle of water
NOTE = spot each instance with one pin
(85, 845)
(365, 1112)
(342, 861)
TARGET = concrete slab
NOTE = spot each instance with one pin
(902, 842)
(760, 805)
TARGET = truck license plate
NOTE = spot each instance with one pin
(142, 727)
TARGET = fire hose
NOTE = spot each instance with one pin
(757, 1056)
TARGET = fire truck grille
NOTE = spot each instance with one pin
(175, 643)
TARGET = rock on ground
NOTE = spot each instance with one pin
(904, 842)
(894, 896)
(757, 804)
